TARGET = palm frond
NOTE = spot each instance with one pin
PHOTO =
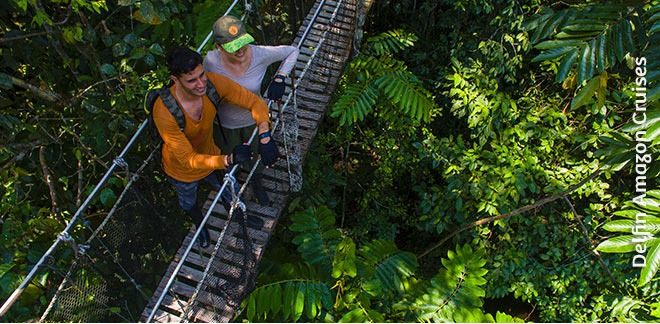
(406, 94)
(357, 101)
(289, 300)
(455, 293)
(317, 236)
(390, 42)
(586, 40)
(385, 267)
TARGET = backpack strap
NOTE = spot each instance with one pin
(213, 94)
(172, 106)
(168, 99)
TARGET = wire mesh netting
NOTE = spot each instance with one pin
(228, 277)
(119, 258)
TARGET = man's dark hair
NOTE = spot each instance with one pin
(181, 60)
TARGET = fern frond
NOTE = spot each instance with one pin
(406, 94)
(391, 41)
(318, 236)
(356, 102)
(455, 293)
(289, 300)
(385, 267)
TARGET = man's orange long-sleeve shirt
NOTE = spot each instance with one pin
(192, 155)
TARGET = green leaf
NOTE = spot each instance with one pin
(317, 235)
(455, 293)
(618, 244)
(107, 197)
(344, 260)
(4, 268)
(585, 93)
(298, 302)
(618, 42)
(90, 107)
(652, 262)
(108, 69)
(566, 65)
(627, 36)
(552, 53)
(553, 44)
(147, 10)
(391, 265)
(653, 132)
(356, 315)
(650, 225)
(600, 51)
(652, 118)
(585, 64)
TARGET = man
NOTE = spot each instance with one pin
(190, 155)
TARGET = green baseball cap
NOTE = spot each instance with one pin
(229, 32)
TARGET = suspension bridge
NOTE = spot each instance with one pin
(190, 288)
(203, 285)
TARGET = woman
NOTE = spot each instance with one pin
(246, 64)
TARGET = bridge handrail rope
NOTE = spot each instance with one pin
(65, 233)
(81, 249)
(231, 174)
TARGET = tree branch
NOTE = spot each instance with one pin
(513, 213)
(15, 38)
(43, 94)
(51, 186)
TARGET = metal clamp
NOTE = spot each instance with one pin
(119, 161)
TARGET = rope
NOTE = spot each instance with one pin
(14, 296)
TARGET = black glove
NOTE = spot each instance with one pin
(276, 88)
(269, 151)
(241, 153)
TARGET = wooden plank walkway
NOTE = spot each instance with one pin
(317, 72)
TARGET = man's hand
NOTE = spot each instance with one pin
(276, 88)
(241, 153)
(268, 149)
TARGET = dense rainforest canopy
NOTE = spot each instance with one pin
(482, 160)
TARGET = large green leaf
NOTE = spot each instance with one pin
(618, 244)
(652, 259)
(566, 65)
(585, 93)
(644, 223)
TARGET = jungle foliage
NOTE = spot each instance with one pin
(478, 157)
(530, 159)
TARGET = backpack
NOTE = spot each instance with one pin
(168, 99)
